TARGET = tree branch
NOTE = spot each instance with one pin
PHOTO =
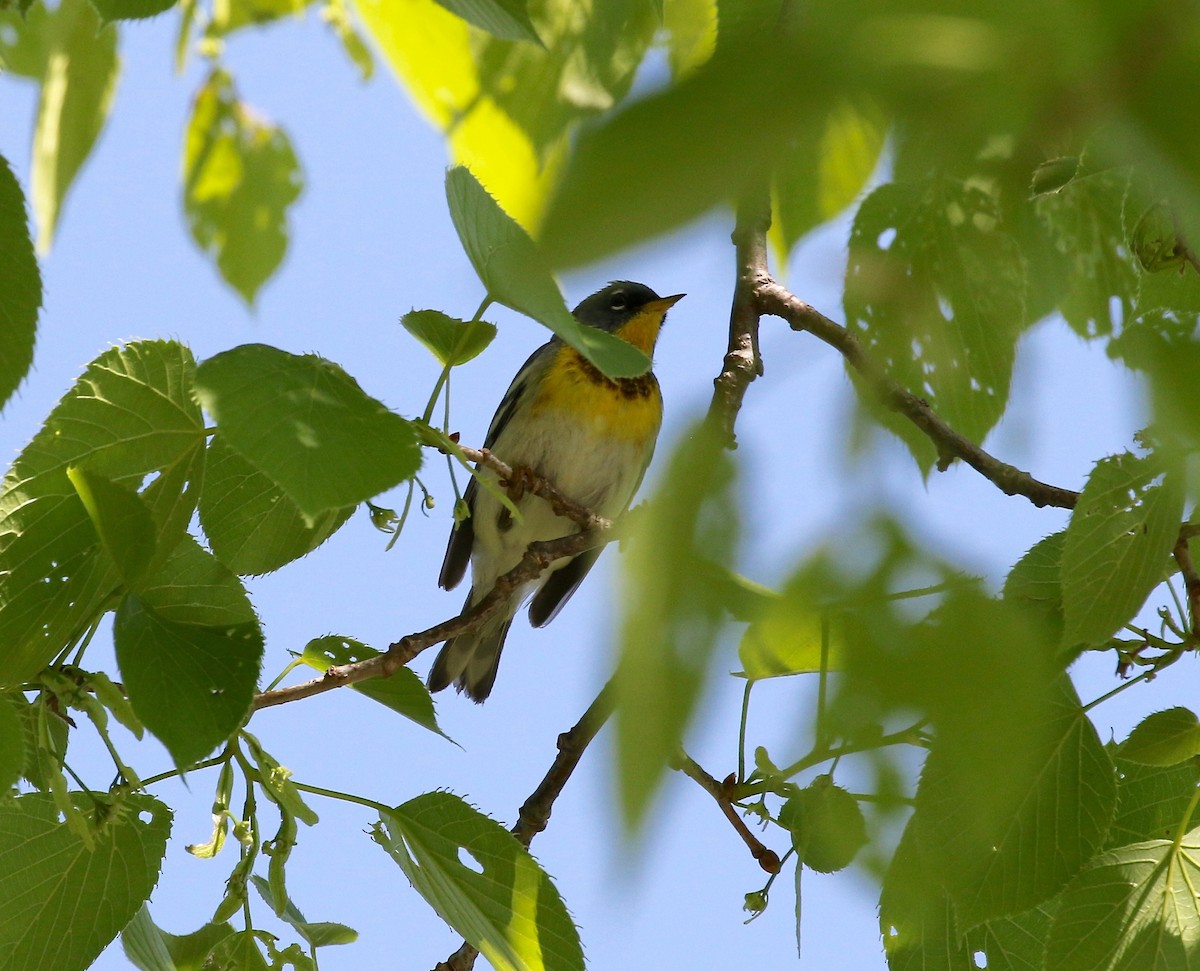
(722, 792)
(743, 362)
(535, 811)
(778, 301)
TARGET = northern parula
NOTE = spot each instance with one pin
(591, 436)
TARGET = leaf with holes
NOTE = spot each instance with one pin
(129, 416)
(50, 872)
(1120, 534)
(189, 647)
(504, 904)
(935, 290)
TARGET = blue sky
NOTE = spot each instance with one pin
(371, 239)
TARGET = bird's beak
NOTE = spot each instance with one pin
(663, 304)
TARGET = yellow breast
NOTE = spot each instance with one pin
(627, 408)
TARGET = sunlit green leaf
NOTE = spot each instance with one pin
(691, 27)
(122, 521)
(316, 933)
(1163, 738)
(671, 619)
(231, 15)
(145, 944)
(450, 340)
(504, 905)
(251, 524)
(20, 285)
(189, 647)
(790, 635)
(1121, 530)
(240, 177)
(935, 289)
(514, 274)
(130, 415)
(1134, 909)
(307, 425)
(52, 871)
(1151, 800)
(507, 19)
(403, 692)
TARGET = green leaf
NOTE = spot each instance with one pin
(514, 274)
(189, 648)
(787, 636)
(122, 521)
(130, 415)
(113, 698)
(1016, 943)
(131, 9)
(277, 780)
(824, 170)
(691, 28)
(252, 525)
(403, 692)
(240, 177)
(307, 425)
(1120, 533)
(827, 825)
(1151, 801)
(1163, 738)
(672, 612)
(51, 872)
(510, 911)
(13, 751)
(1036, 576)
(77, 69)
(20, 286)
(450, 340)
(318, 933)
(45, 740)
(145, 944)
(1134, 909)
(1000, 785)
(935, 289)
(506, 19)
(241, 951)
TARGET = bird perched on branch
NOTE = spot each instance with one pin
(591, 436)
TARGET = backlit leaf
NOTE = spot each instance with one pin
(20, 285)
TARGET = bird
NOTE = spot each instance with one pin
(589, 435)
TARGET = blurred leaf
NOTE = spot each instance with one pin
(1120, 533)
(1086, 220)
(145, 943)
(1151, 801)
(130, 415)
(121, 519)
(823, 171)
(231, 15)
(1134, 909)
(671, 615)
(514, 274)
(507, 108)
(20, 286)
(691, 28)
(251, 524)
(1163, 738)
(336, 13)
(13, 751)
(318, 933)
(1007, 776)
(240, 177)
(450, 340)
(110, 10)
(504, 905)
(1053, 174)
(52, 872)
(307, 425)
(403, 692)
(787, 635)
(826, 824)
(506, 19)
(189, 647)
(74, 60)
(935, 290)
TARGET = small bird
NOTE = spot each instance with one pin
(591, 436)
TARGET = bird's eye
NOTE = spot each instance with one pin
(618, 302)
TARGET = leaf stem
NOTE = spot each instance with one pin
(342, 796)
(175, 773)
(742, 731)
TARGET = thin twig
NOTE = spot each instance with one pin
(562, 504)
(722, 792)
(535, 812)
(1191, 582)
(778, 301)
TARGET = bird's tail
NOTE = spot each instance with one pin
(470, 661)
